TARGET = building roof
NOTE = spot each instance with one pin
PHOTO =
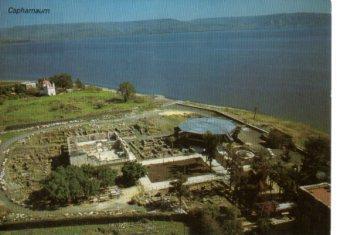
(216, 126)
(320, 192)
(46, 83)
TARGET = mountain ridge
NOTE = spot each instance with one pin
(72, 31)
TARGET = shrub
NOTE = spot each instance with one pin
(19, 88)
(99, 105)
(127, 90)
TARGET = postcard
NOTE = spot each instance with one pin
(165, 117)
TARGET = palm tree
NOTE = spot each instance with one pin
(233, 165)
(235, 171)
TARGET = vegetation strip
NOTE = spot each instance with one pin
(91, 220)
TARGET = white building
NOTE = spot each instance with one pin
(48, 88)
(29, 84)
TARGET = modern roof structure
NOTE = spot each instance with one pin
(320, 192)
(217, 126)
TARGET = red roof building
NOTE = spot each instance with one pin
(315, 205)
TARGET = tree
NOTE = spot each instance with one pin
(73, 184)
(62, 81)
(211, 220)
(233, 166)
(106, 176)
(57, 186)
(211, 142)
(246, 191)
(178, 186)
(261, 167)
(203, 222)
(75, 189)
(316, 160)
(91, 187)
(127, 90)
(132, 171)
(278, 139)
(287, 180)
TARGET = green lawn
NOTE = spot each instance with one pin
(66, 106)
(299, 131)
(9, 135)
(150, 227)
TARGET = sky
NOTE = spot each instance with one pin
(74, 11)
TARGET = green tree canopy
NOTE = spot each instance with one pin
(317, 160)
(57, 186)
(211, 220)
(72, 184)
(278, 139)
(106, 176)
(62, 81)
(127, 90)
(132, 171)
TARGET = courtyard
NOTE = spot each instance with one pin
(168, 170)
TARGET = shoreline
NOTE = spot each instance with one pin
(204, 105)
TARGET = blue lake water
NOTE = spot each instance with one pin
(285, 73)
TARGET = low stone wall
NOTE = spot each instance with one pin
(78, 158)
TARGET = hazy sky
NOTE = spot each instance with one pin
(66, 11)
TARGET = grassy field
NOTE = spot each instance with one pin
(67, 106)
(299, 131)
(149, 227)
(9, 135)
(91, 103)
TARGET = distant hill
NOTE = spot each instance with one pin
(111, 29)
